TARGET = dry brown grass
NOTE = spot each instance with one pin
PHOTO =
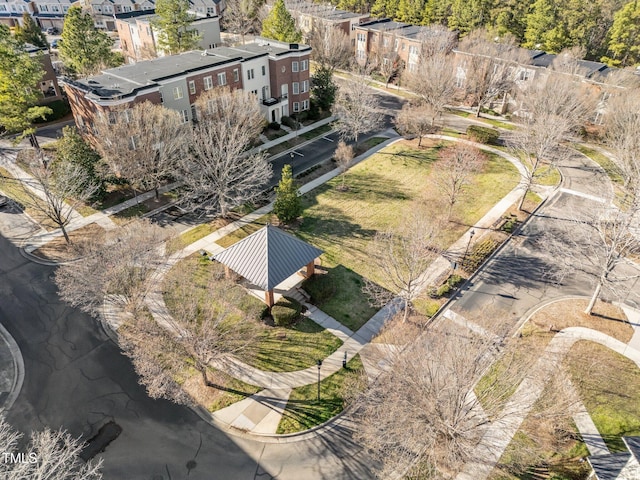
(58, 249)
(231, 390)
(606, 318)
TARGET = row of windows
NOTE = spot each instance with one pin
(207, 83)
(296, 87)
(301, 66)
(305, 106)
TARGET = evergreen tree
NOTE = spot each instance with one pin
(287, 206)
(357, 6)
(73, 149)
(84, 49)
(410, 11)
(29, 32)
(624, 36)
(509, 17)
(172, 25)
(436, 11)
(20, 76)
(323, 88)
(542, 19)
(280, 25)
(467, 15)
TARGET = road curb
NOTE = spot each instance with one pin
(18, 368)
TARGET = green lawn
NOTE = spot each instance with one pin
(609, 385)
(547, 175)
(281, 349)
(303, 409)
(605, 162)
(245, 231)
(316, 132)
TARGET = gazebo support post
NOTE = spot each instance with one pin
(227, 272)
(268, 298)
(311, 268)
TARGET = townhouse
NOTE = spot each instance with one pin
(308, 14)
(138, 37)
(11, 11)
(276, 73)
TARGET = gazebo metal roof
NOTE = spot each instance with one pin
(268, 257)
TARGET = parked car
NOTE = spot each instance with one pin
(52, 31)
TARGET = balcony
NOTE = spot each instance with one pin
(274, 100)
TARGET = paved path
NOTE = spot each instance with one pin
(500, 433)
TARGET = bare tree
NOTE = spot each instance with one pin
(356, 108)
(219, 173)
(416, 120)
(206, 325)
(142, 144)
(119, 267)
(343, 157)
(551, 113)
(53, 455)
(402, 255)
(56, 193)
(622, 127)
(599, 243)
(433, 76)
(241, 16)
(457, 166)
(488, 67)
(331, 47)
(424, 417)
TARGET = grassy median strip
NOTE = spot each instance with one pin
(605, 162)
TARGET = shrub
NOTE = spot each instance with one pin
(480, 134)
(479, 253)
(443, 290)
(288, 121)
(320, 288)
(59, 109)
(274, 126)
(510, 224)
(285, 312)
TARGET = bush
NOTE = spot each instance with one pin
(320, 288)
(479, 253)
(510, 224)
(285, 312)
(480, 134)
(273, 126)
(289, 122)
(59, 108)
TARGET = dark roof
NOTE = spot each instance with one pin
(633, 444)
(268, 257)
(618, 466)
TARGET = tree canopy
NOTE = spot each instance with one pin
(84, 49)
(174, 35)
(280, 25)
(30, 32)
(624, 43)
(20, 75)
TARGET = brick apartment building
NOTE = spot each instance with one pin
(308, 14)
(276, 73)
(138, 37)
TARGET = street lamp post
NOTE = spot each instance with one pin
(291, 156)
(319, 362)
(471, 234)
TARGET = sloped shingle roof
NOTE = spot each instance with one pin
(267, 257)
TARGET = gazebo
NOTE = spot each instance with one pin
(268, 257)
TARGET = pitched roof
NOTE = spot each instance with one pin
(268, 257)
(618, 466)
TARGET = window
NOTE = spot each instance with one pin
(284, 90)
(3, 8)
(185, 115)
(133, 143)
(360, 54)
(236, 75)
(294, 66)
(126, 116)
(54, 8)
(192, 87)
(250, 75)
(296, 106)
(222, 78)
(211, 11)
(385, 41)
(126, 8)
(361, 37)
(112, 118)
(177, 93)
(107, 8)
(304, 65)
(305, 105)
(208, 83)
(305, 86)
(264, 70)
(296, 88)
(525, 75)
(396, 43)
(254, 92)
(42, 8)
(413, 49)
(413, 67)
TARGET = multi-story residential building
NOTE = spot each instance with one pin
(104, 11)
(308, 14)
(49, 82)
(138, 38)
(276, 73)
(50, 13)
(11, 11)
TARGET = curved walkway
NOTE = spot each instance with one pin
(261, 413)
(500, 433)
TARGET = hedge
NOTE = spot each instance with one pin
(483, 134)
(285, 311)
